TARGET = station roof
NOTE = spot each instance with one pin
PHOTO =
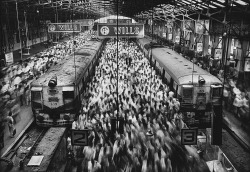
(134, 8)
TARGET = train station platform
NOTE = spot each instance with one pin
(24, 119)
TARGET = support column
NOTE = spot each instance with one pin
(205, 44)
(244, 46)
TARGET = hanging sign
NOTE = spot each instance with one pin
(85, 22)
(64, 27)
(177, 38)
(170, 36)
(169, 24)
(132, 30)
(247, 65)
(119, 21)
(9, 58)
(202, 27)
(199, 46)
(189, 136)
(218, 53)
(79, 137)
(187, 25)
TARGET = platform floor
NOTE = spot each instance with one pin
(24, 118)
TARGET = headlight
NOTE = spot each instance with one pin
(40, 118)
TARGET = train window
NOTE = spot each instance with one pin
(36, 95)
(68, 94)
(187, 91)
(216, 90)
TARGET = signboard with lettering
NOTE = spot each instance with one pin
(119, 21)
(9, 58)
(132, 30)
(64, 27)
(189, 136)
(85, 22)
(79, 137)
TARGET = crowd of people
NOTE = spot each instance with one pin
(15, 79)
(133, 118)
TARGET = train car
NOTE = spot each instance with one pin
(196, 89)
(56, 96)
(50, 154)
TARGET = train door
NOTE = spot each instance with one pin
(171, 84)
(201, 101)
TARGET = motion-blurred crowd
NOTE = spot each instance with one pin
(134, 122)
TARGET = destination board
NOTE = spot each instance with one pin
(64, 27)
(132, 30)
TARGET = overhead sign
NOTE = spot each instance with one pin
(132, 30)
(9, 58)
(189, 136)
(79, 137)
(85, 22)
(64, 27)
(119, 21)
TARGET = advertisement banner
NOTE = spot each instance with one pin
(218, 53)
(206, 25)
(202, 27)
(9, 58)
(64, 27)
(119, 21)
(177, 39)
(247, 65)
(132, 30)
(199, 47)
(187, 25)
(199, 28)
(85, 22)
(170, 36)
(170, 24)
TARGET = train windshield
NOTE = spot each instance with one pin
(187, 91)
(216, 90)
(36, 94)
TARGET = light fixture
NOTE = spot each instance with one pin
(201, 80)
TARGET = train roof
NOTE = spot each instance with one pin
(182, 70)
(48, 146)
(65, 70)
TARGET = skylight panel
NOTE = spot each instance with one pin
(217, 4)
(240, 2)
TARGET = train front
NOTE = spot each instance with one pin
(53, 105)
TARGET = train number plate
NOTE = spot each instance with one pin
(53, 99)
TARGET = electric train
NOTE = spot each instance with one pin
(56, 96)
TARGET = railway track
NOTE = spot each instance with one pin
(237, 152)
(23, 148)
